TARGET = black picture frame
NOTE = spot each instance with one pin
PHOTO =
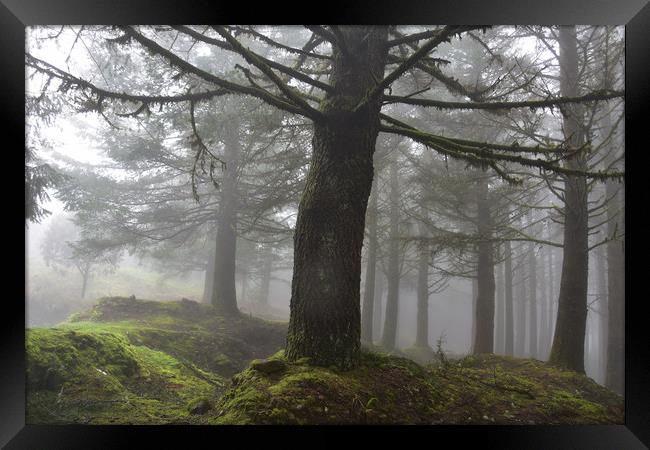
(15, 15)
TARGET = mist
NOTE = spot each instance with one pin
(483, 222)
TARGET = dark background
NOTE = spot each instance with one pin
(16, 14)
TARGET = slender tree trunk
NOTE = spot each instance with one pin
(615, 374)
(371, 267)
(602, 313)
(422, 332)
(520, 329)
(507, 267)
(224, 296)
(392, 300)
(85, 275)
(551, 300)
(379, 309)
(484, 338)
(544, 317)
(265, 282)
(615, 377)
(569, 340)
(500, 312)
(244, 284)
(473, 312)
(532, 296)
(325, 319)
(208, 284)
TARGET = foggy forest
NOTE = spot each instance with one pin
(324, 224)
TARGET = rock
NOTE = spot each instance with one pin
(268, 366)
(200, 406)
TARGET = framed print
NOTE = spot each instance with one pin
(381, 222)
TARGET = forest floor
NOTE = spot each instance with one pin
(130, 361)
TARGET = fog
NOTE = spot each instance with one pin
(200, 201)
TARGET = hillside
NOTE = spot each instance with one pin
(135, 361)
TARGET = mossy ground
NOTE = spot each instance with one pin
(131, 361)
(135, 361)
(386, 389)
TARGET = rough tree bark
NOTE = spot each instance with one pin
(371, 267)
(484, 319)
(325, 322)
(392, 299)
(569, 340)
(224, 297)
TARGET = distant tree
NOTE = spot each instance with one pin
(60, 249)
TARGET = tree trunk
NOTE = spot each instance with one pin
(392, 300)
(325, 322)
(244, 284)
(85, 274)
(507, 267)
(422, 332)
(371, 267)
(615, 377)
(602, 313)
(520, 329)
(265, 282)
(569, 340)
(224, 297)
(499, 326)
(379, 298)
(532, 297)
(551, 300)
(544, 317)
(613, 304)
(208, 285)
(473, 312)
(484, 336)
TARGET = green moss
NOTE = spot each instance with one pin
(482, 389)
(135, 361)
(103, 378)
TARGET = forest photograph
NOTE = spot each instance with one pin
(325, 224)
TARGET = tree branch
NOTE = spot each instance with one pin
(280, 67)
(547, 103)
(255, 60)
(175, 60)
(443, 35)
